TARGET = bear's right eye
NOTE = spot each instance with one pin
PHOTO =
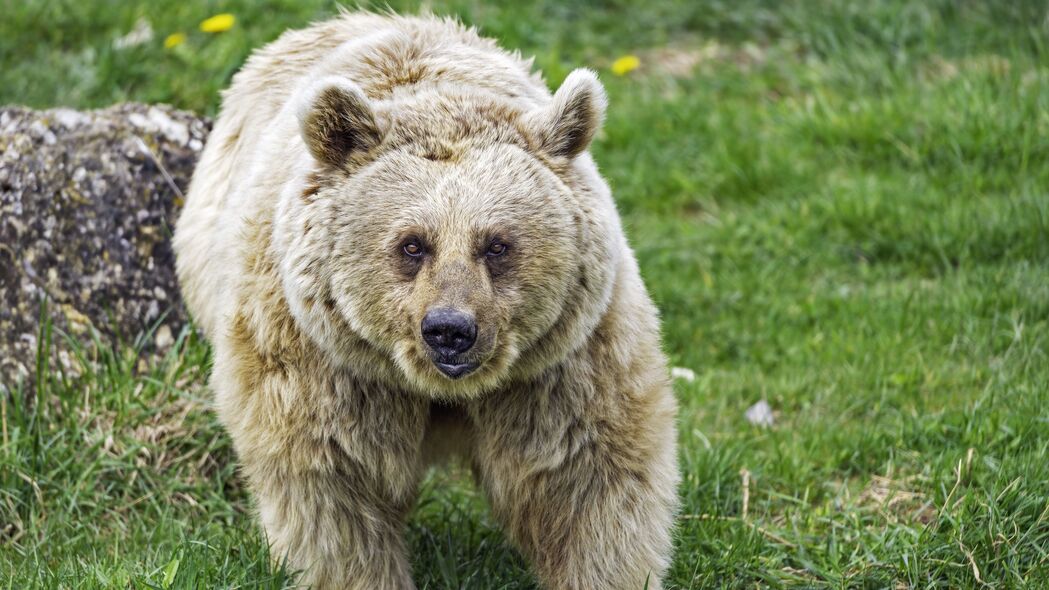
(413, 249)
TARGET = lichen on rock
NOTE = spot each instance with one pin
(88, 201)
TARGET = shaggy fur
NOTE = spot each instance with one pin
(337, 145)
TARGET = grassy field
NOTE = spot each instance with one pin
(840, 207)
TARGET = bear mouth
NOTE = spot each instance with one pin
(455, 370)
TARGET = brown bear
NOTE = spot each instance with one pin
(400, 249)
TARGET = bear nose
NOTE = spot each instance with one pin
(448, 331)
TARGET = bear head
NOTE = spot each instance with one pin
(448, 239)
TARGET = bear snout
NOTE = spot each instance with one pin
(450, 333)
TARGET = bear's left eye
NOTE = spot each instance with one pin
(413, 249)
(496, 249)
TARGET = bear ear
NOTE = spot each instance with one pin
(566, 126)
(337, 120)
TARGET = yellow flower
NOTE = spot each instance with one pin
(626, 64)
(218, 23)
(174, 40)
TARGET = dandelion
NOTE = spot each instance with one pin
(218, 23)
(174, 40)
(626, 64)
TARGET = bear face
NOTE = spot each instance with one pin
(443, 234)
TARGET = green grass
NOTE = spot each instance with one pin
(843, 209)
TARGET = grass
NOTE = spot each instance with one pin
(841, 208)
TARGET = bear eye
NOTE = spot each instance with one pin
(496, 249)
(413, 249)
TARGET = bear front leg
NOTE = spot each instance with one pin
(333, 465)
(335, 527)
(584, 483)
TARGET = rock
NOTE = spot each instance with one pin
(760, 414)
(683, 373)
(88, 201)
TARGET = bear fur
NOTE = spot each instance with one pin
(364, 172)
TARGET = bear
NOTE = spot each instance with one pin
(401, 252)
